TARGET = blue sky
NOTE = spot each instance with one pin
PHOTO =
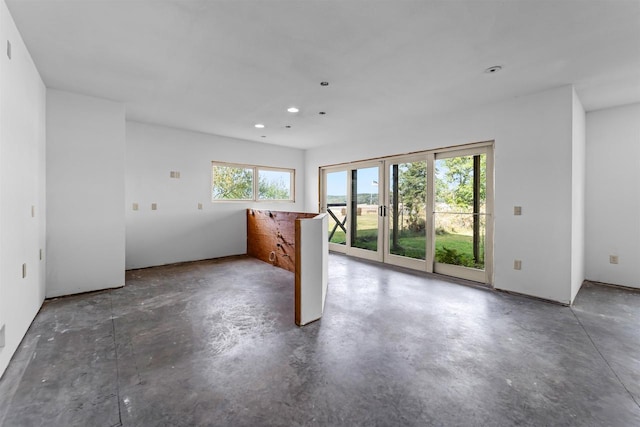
(337, 182)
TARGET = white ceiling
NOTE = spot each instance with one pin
(221, 66)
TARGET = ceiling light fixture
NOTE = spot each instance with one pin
(292, 110)
(288, 126)
(324, 83)
(259, 125)
(322, 113)
(494, 69)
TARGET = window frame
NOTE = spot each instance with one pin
(256, 182)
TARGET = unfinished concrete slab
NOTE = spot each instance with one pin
(214, 343)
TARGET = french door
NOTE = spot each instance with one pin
(405, 223)
(352, 200)
(429, 211)
(462, 221)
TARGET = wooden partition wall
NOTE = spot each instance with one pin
(295, 242)
(271, 236)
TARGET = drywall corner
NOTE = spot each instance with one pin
(22, 180)
(85, 193)
(578, 193)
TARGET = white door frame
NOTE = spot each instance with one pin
(383, 253)
(476, 275)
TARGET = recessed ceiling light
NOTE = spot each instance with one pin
(324, 83)
(493, 69)
(292, 110)
(259, 125)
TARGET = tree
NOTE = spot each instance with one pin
(412, 185)
(232, 183)
(273, 189)
(455, 186)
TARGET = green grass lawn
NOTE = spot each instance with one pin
(451, 248)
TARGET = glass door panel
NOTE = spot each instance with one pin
(365, 211)
(460, 215)
(407, 212)
(336, 206)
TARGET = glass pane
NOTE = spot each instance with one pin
(232, 183)
(336, 203)
(460, 207)
(364, 207)
(454, 239)
(274, 185)
(408, 209)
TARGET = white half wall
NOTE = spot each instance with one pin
(533, 169)
(22, 189)
(85, 193)
(578, 185)
(613, 195)
(178, 231)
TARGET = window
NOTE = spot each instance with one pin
(236, 182)
(275, 184)
(232, 182)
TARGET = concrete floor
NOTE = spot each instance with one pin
(214, 343)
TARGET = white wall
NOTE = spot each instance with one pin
(22, 185)
(85, 193)
(177, 231)
(533, 169)
(613, 195)
(578, 184)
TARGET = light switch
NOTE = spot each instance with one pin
(154, 206)
(517, 210)
(613, 259)
(200, 206)
(517, 264)
(135, 207)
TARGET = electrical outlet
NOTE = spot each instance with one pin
(24, 270)
(40, 254)
(174, 174)
(135, 207)
(33, 211)
(613, 259)
(517, 264)
(8, 49)
(200, 206)
(517, 210)
(154, 206)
